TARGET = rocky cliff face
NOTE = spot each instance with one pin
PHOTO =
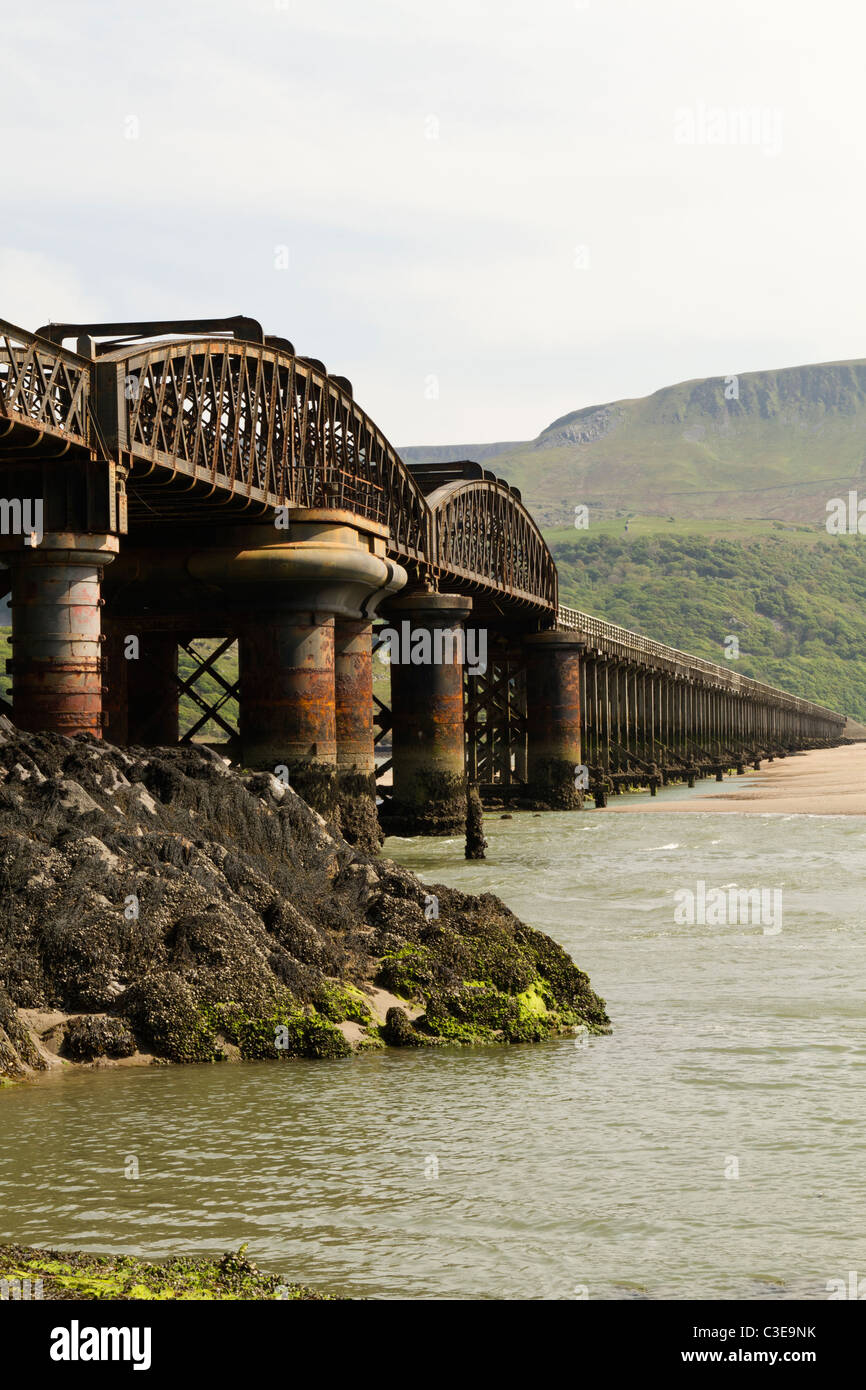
(773, 443)
(158, 905)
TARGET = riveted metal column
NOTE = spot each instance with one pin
(553, 717)
(627, 712)
(57, 674)
(287, 708)
(595, 748)
(606, 718)
(613, 713)
(353, 719)
(353, 695)
(116, 694)
(427, 728)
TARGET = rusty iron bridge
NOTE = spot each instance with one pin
(165, 483)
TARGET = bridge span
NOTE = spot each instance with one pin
(167, 482)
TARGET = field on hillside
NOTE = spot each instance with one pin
(789, 441)
(794, 601)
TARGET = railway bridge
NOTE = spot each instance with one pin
(164, 483)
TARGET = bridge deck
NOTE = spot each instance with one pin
(618, 642)
(259, 426)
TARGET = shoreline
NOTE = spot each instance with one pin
(820, 782)
(31, 1274)
(169, 909)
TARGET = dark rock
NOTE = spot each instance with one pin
(92, 1036)
(398, 1030)
(200, 907)
(475, 841)
(18, 1052)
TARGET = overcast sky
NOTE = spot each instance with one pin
(486, 214)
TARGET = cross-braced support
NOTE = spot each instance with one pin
(495, 714)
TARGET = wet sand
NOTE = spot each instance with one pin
(822, 782)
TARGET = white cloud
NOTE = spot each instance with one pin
(263, 124)
(36, 289)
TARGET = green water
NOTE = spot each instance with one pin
(528, 1171)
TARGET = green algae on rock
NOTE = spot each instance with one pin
(161, 906)
(72, 1275)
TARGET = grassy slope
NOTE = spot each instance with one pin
(795, 601)
(726, 503)
(793, 438)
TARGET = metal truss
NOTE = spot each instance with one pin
(495, 722)
(254, 424)
(44, 390)
(482, 529)
(207, 666)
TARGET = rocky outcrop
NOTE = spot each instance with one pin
(19, 1053)
(161, 905)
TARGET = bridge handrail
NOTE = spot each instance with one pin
(44, 386)
(480, 526)
(268, 425)
(633, 643)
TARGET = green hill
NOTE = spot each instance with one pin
(796, 603)
(790, 440)
(707, 504)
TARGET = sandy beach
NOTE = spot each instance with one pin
(823, 782)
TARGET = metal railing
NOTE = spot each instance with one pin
(621, 642)
(43, 387)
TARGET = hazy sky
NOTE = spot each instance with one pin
(486, 214)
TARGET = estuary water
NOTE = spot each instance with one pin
(711, 1146)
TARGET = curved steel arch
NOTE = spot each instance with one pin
(483, 533)
(262, 423)
(265, 425)
(254, 421)
(44, 390)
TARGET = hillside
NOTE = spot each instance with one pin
(792, 438)
(796, 603)
(706, 519)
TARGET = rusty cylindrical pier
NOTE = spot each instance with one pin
(57, 672)
(304, 599)
(553, 718)
(429, 757)
(287, 713)
(353, 707)
(353, 695)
